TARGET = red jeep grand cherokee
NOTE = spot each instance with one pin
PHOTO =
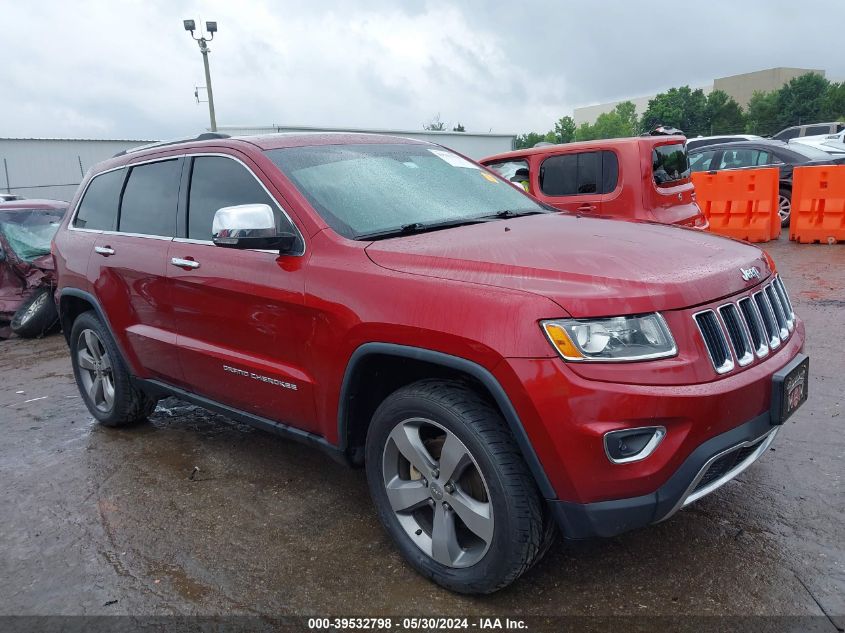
(499, 368)
(640, 178)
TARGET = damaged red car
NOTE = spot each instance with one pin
(27, 307)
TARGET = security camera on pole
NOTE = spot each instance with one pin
(211, 27)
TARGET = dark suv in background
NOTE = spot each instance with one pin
(500, 369)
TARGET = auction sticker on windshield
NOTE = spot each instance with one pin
(452, 159)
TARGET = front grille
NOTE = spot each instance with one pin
(725, 464)
(737, 331)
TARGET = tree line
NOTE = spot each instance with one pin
(809, 98)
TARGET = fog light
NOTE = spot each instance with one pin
(632, 445)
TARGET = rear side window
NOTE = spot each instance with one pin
(218, 182)
(669, 163)
(98, 209)
(701, 161)
(816, 130)
(578, 174)
(150, 199)
(734, 159)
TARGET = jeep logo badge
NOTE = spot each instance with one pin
(750, 273)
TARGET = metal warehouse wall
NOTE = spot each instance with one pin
(472, 145)
(52, 168)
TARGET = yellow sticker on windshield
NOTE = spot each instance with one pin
(489, 177)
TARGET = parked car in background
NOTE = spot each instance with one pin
(811, 129)
(27, 307)
(496, 367)
(702, 141)
(8, 197)
(830, 143)
(763, 153)
(640, 178)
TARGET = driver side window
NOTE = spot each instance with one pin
(218, 182)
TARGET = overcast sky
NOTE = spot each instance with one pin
(126, 69)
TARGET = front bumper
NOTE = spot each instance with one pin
(710, 466)
(566, 416)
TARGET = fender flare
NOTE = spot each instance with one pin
(459, 364)
(92, 300)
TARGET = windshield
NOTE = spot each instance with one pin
(29, 232)
(362, 190)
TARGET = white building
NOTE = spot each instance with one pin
(470, 144)
(52, 167)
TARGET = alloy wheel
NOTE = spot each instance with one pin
(784, 208)
(437, 492)
(95, 370)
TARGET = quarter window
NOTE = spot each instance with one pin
(150, 198)
(98, 209)
(218, 182)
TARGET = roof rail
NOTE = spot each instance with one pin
(205, 136)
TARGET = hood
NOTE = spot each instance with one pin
(588, 266)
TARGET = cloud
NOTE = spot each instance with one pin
(127, 69)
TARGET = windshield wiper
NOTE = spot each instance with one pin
(514, 213)
(417, 227)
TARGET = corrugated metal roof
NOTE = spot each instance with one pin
(50, 138)
(312, 128)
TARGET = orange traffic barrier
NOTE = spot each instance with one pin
(740, 203)
(818, 204)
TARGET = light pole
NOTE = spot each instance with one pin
(211, 27)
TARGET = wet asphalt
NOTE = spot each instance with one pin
(103, 521)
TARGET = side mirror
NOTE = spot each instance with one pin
(249, 226)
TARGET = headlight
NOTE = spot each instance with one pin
(641, 337)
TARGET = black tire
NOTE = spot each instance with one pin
(518, 527)
(128, 404)
(37, 315)
(785, 192)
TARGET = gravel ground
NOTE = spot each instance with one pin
(98, 521)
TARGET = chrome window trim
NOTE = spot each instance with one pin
(728, 365)
(774, 340)
(689, 497)
(159, 159)
(648, 449)
(748, 357)
(763, 350)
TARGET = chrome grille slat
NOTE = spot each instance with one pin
(753, 325)
(765, 308)
(715, 340)
(777, 308)
(785, 303)
(737, 334)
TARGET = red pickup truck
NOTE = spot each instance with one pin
(640, 178)
(500, 369)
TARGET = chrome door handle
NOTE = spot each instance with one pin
(105, 251)
(184, 263)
